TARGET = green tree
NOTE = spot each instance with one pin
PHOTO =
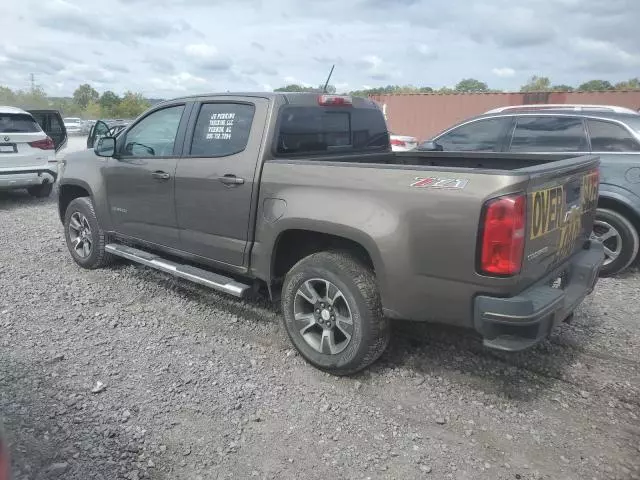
(109, 102)
(631, 84)
(34, 98)
(596, 86)
(562, 88)
(84, 94)
(294, 88)
(132, 105)
(471, 85)
(93, 111)
(537, 84)
(445, 90)
(7, 96)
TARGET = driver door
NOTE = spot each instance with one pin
(140, 178)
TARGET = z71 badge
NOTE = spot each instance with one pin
(437, 182)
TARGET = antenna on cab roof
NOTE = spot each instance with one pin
(326, 84)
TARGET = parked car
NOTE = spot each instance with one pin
(403, 143)
(86, 126)
(301, 194)
(73, 125)
(28, 145)
(611, 132)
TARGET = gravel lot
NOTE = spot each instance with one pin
(128, 373)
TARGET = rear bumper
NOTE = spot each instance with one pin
(520, 322)
(27, 176)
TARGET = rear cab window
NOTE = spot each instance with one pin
(549, 134)
(18, 123)
(318, 130)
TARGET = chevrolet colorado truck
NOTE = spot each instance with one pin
(302, 194)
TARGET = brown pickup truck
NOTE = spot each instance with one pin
(302, 194)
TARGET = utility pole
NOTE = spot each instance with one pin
(33, 82)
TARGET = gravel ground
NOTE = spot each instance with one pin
(126, 373)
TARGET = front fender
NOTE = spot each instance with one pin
(83, 170)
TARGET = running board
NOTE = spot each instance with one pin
(194, 274)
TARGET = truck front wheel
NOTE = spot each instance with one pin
(85, 239)
(333, 313)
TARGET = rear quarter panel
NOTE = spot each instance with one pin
(421, 238)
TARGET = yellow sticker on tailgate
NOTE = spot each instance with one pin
(589, 191)
(546, 215)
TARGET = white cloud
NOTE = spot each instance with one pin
(259, 43)
(200, 50)
(503, 72)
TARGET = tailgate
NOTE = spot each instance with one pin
(561, 205)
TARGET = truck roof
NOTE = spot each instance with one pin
(296, 98)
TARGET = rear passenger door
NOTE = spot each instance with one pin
(216, 177)
(548, 134)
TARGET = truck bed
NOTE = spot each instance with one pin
(488, 160)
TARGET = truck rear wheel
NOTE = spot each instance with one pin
(620, 240)
(333, 313)
(85, 239)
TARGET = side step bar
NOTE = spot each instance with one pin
(196, 275)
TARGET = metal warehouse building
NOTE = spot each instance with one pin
(424, 115)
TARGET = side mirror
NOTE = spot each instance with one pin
(430, 146)
(105, 147)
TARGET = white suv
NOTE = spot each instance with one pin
(28, 145)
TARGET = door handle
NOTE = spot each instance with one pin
(230, 179)
(159, 175)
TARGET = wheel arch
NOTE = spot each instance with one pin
(67, 192)
(294, 243)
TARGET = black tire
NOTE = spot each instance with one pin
(370, 329)
(41, 191)
(626, 241)
(98, 257)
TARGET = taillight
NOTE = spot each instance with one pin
(334, 100)
(502, 231)
(398, 143)
(46, 144)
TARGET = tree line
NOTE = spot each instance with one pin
(86, 102)
(472, 85)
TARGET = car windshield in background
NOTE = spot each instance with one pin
(309, 130)
(17, 123)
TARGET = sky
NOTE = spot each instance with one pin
(165, 48)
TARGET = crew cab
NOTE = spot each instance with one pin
(29, 141)
(302, 194)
